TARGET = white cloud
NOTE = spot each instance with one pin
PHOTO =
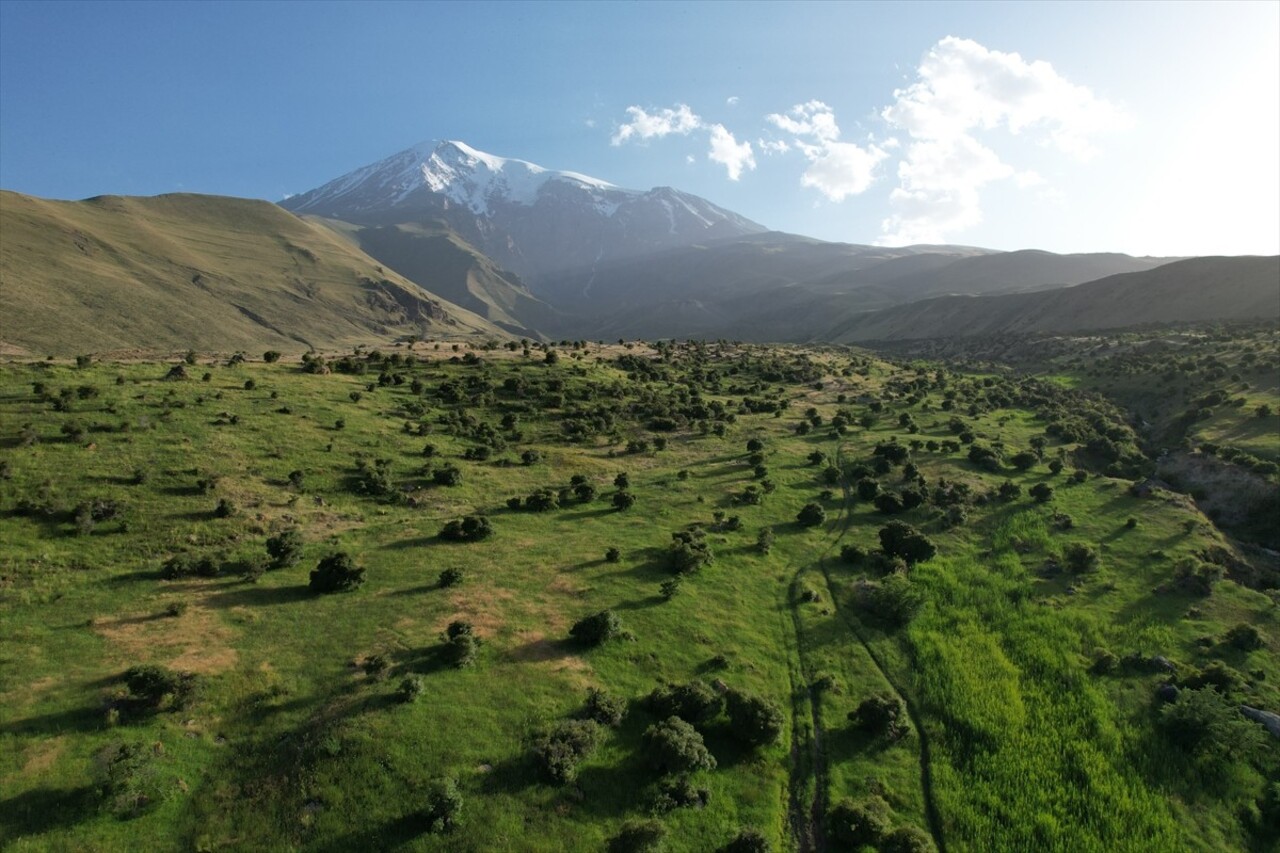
(836, 169)
(646, 125)
(841, 169)
(732, 100)
(779, 146)
(814, 119)
(728, 152)
(964, 89)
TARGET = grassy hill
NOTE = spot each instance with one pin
(1195, 290)
(1057, 669)
(179, 271)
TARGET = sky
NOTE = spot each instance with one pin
(1145, 128)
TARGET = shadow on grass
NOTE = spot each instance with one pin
(586, 513)
(389, 836)
(420, 589)
(250, 596)
(546, 649)
(38, 811)
(640, 603)
(418, 542)
(87, 718)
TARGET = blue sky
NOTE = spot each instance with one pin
(1148, 128)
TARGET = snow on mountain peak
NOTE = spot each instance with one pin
(464, 175)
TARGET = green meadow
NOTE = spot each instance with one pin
(1049, 656)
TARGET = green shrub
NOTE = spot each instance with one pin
(443, 806)
(674, 746)
(1244, 637)
(881, 715)
(612, 555)
(1207, 725)
(853, 825)
(898, 539)
(694, 702)
(1080, 558)
(907, 839)
(748, 840)
(558, 752)
(638, 836)
(690, 551)
(597, 628)
(336, 573)
(811, 515)
(753, 719)
(471, 528)
(449, 577)
(605, 709)
(678, 792)
(285, 548)
(410, 689)
(623, 500)
(1042, 493)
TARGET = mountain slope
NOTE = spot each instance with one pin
(533, 221)
(434, 257)
(207, 272)
(1198, 289)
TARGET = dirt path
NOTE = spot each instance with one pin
(840, 528)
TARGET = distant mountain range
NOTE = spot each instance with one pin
(445, 240)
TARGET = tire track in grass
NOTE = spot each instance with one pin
(843, 523)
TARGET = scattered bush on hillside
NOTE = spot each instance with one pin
(898, 539)
(638, 836)
(853, 825)
(1244, 637)
(471, 528)
(881, 715)
(558, 752)
(748, 840)
(753, 719)
(449, 577)
(695, 702)
(674, 746)
(907, 839)
(285, 549)
(336, 573)
(811, 515)
(1207, 726)
(690, 551)
(443, 806)
(597, 628)
(1080, 558)
(604, 709)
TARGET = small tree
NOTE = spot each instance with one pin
(1080, 558)
(450, 577)
(898, 539)
(336, 573)
(605, 709)
(812, 515)
(597, 628)
(881, 715)
(1024, 461)
(558, 752)
(674, 746)
(623, 500)
(638, 836)
(443, 807)
(748, 840)
(853, 825)
(753, 719)
(1042, 493)
(285, 548)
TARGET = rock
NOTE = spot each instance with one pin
(1160, 663)
(1270, 721)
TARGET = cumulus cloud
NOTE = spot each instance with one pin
(732, 100)
(773, 146)
(727, 151)
(963, 90)
(836, 169)
(841, 169)
(646, 125)
(814, 119)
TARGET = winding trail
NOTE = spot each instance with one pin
(851, 622)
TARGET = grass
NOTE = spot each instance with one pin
(289, 743)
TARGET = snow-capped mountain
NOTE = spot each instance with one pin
(537, 222)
